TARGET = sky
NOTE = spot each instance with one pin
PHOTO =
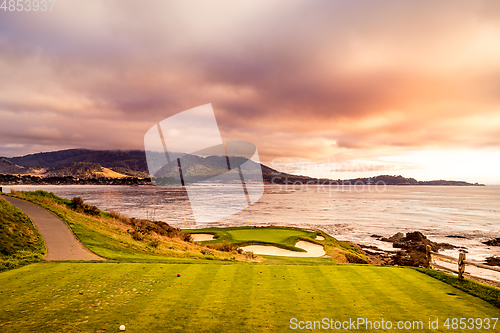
(325, 88)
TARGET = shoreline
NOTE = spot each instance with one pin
(338, 226)
(394, 255)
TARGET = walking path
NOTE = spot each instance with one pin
(60, 241)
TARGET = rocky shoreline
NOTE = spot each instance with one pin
(410, 250)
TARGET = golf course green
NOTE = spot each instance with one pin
(285, 238)
(219, 291)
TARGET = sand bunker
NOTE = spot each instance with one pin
(202, 237)
(320, 238)
(313, 250)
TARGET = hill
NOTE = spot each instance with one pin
(9, 168)
(130, 163)
(85, 163)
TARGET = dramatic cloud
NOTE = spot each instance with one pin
(304, 80)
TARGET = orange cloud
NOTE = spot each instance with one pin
(305, 80)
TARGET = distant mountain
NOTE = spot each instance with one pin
(7, 167)
(131, 163)
(81, 163)
(76, 169)
(85, 163)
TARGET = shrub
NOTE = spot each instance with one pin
(187, 238)
(225, 247)
(79, 206)
(92, 210)
(147, 227)
(155, 243)
(206, 252)
(137, 235)
(250, 255)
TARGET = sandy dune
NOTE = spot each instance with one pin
(313, 250)
(202, 237)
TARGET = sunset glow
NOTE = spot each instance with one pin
(409, 88)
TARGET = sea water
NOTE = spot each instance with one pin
(459, 215)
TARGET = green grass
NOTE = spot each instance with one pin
(486, 292)
(140, 288)
(241, 236)
(20, 241)
(98, 297)
(285, 238)
(108, 237)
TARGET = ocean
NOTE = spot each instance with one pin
(462, 216)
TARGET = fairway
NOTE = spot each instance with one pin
(98, 297)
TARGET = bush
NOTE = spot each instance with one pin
(147, 227)
(79, 206)
(187, 238)
(155, 243)
(207, 252)
(92, 210)
(250, 255)
(137, 235)
(225, 247)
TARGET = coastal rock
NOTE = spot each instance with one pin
(493, 242)
(413, 248)
(493, 261)
(394, 238)
(416, 241)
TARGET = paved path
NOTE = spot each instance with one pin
(60, 241)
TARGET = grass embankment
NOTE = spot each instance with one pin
(240, 297)
(285, 238)
(486, 292)
(111, 235)
(117, 237)
(20, 241)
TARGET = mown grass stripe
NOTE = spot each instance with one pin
(342, 297)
